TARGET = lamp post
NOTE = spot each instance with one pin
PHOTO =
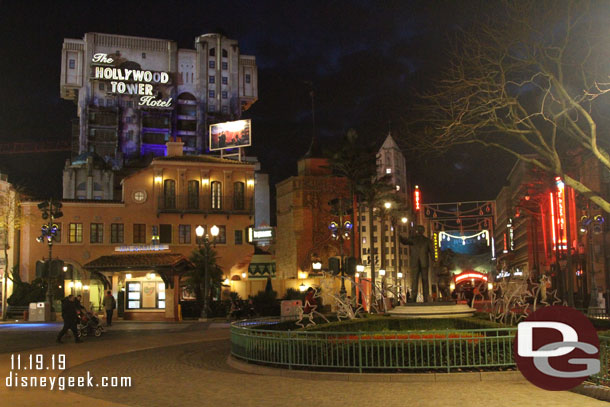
(205, 240)
(341, 232)
(591, 225)
(50, 210)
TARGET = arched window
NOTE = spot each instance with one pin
(169, 193)
(212, 52)
(216, 189)
(238, 196)
(193, 195)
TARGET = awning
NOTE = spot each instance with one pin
(166, 264)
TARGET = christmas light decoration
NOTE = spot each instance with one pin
(482, 234)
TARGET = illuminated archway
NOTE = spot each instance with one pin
(469, 275)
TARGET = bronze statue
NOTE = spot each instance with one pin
(421, 253)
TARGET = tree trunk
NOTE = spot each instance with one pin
(372, 248)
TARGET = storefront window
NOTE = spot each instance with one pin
(145, 295)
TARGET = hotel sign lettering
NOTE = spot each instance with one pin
(136, 82)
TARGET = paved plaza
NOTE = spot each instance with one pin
(185, 364)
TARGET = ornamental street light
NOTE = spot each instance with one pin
(50, 210)
(592, 225)
(205, 241)
(341, 231)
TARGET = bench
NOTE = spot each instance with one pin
(16, 311)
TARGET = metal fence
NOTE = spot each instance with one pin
(442, 350)
(437, 350)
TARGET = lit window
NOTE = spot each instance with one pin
(212, 64)
(212, 79)
(225, 66)
(398, 187)
(224, 94)
(225, 80)
(212, 94)
(388, 170)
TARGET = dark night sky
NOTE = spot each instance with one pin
(365, 59)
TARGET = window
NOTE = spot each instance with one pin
(128, 119)
(145, 295)
(130, 103)
(212, 94)
(238, 196)
(184, 234)
(109, 102)
(225, 66)
(224, 94)
(225, 109)
(193, 195)
(225, 80)
(363, 228)
(239, 237)
(212, 108)
(143, 55)
(374, 228)
(248, 78)
(216, 188)
(224, 53)
(96, 233)
(165, 234)
(374, 239)
(102, 86)
(212, 52)
(76, 233)
(212, 79)
(222, 234)
(212, 64)
(139, 233)
(169, 193)
(72, 64)
(116, 233)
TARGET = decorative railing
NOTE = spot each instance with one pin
(429, 350)
(438, 350)
(205, 204)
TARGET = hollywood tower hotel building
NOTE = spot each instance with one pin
(134, 94)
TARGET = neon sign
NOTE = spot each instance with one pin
(466, 276)
(137, 82)
(558, 217)
(417, 196)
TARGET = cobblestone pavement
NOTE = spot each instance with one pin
(189, 369)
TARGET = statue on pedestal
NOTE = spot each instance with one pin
(421, 253)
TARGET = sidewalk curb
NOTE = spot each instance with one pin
(591, 390)
(375, 377)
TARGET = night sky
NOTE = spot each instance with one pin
(365, 60)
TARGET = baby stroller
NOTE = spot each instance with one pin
(89, 324)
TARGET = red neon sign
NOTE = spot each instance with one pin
(466, 276)
(558, 217)
(417, 198)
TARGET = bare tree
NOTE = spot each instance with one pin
(530, 78)
(10, 220)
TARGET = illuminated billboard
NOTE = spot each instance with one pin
(230, 135)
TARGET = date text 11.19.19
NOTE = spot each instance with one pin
(38, 362)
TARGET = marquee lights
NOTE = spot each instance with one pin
(476, 276)
(142, 248)
(448, 236)
(417, 196)
(558, 217)
(435, 246)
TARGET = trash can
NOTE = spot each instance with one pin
(39, 312)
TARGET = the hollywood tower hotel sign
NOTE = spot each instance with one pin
(145, 85)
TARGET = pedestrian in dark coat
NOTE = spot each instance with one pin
(69, 315)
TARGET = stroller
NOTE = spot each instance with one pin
(89, 324)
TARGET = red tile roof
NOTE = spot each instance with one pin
(138, 261)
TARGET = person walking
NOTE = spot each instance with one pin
(109, 305)
(69, 315)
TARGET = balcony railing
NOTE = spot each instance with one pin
(205, 204)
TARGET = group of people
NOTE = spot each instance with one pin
(241, 309)
(72, 309)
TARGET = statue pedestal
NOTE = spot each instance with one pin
(433, 310)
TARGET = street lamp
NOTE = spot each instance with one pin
(381, 272)
(50, 210)
(387, 205)
(205, 240)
